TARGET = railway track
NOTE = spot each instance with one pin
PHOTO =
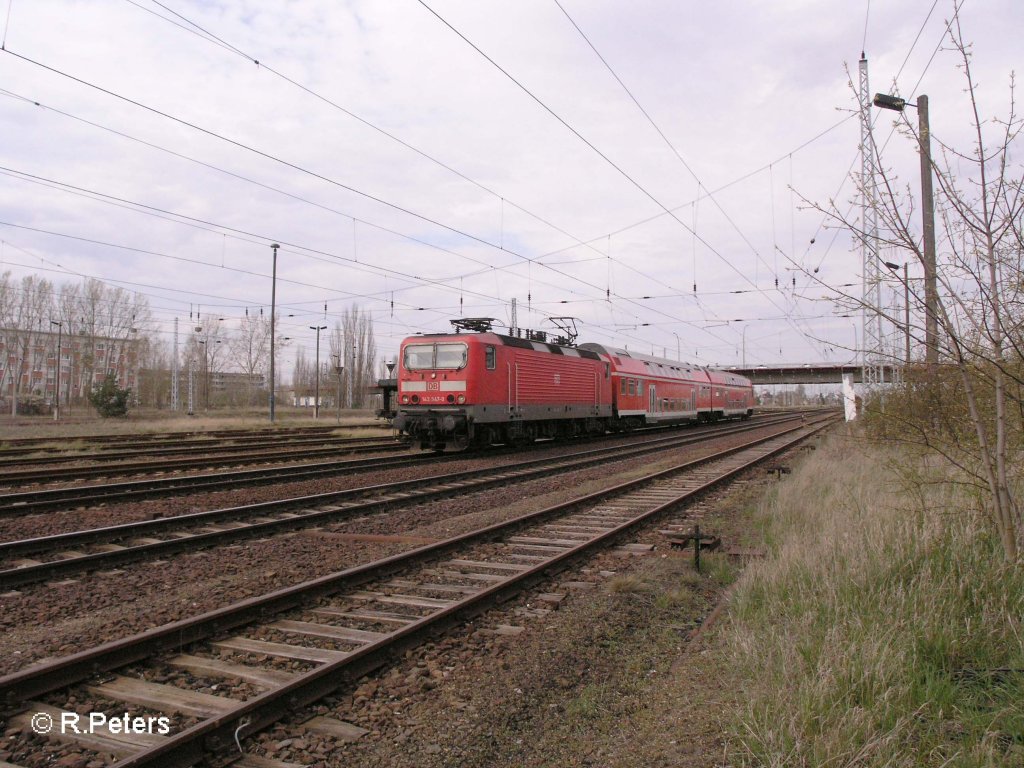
(43, 500)
(339, 627)
(11, 446)
(206, 458)
(51, 557)
(191, 448)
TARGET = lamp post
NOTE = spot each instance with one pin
(906, 307)
(744, 335)
(352, 375)
(273, 303)
(316, 401)
(931, 294)
(339, 369)
(206, 373)
(56, 396)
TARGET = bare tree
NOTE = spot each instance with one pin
(249, 349)
(27, 310)
(7, 292)
(105, 321)
(961, 408)
(353, 343)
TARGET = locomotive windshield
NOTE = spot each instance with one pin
(420, 357)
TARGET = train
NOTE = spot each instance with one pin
(475, 387)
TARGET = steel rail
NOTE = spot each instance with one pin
(53, 499)
(169, 437)
(58, 474)
(355, 503)
(50, 675)
(192, 744)
(202, 447)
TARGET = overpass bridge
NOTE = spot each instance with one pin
(808, 373)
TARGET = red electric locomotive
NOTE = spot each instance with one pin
(476, 388)
(461, 389)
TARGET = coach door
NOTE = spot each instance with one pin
(652, 399)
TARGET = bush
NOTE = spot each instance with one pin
(109, 399)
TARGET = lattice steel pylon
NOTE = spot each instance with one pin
(175, 397)
(873, 354)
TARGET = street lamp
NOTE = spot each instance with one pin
(931, 326)
(56, 398)
(273, 303)
(316, 401)
(339, 369)
(906, 305)
(206, 373)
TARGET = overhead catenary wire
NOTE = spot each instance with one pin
(664, 138)
(253, 181)
(636, 184)
(294, 166)
(262, 63)
(7, 24)
(625, 252)
(206, 34)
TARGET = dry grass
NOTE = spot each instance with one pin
(885, 627)
(627, 583)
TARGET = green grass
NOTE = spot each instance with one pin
(884, 629)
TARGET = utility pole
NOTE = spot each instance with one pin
(316, 401)
(906, 307)
(352, 374)
(273, 303)
(339, 369)
(191, 388)
(931, 294)
(175, 395)
(906, 310)
(56, 396)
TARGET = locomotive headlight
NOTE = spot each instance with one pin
(462, 399)
(450, 398)
(415, 399)
(405, 399)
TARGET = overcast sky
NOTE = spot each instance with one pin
(401, 170)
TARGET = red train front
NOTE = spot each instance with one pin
(462, 389)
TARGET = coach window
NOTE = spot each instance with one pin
(489, 358)
(632, 387)
(622, 386)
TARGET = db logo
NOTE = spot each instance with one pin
(435, 385)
